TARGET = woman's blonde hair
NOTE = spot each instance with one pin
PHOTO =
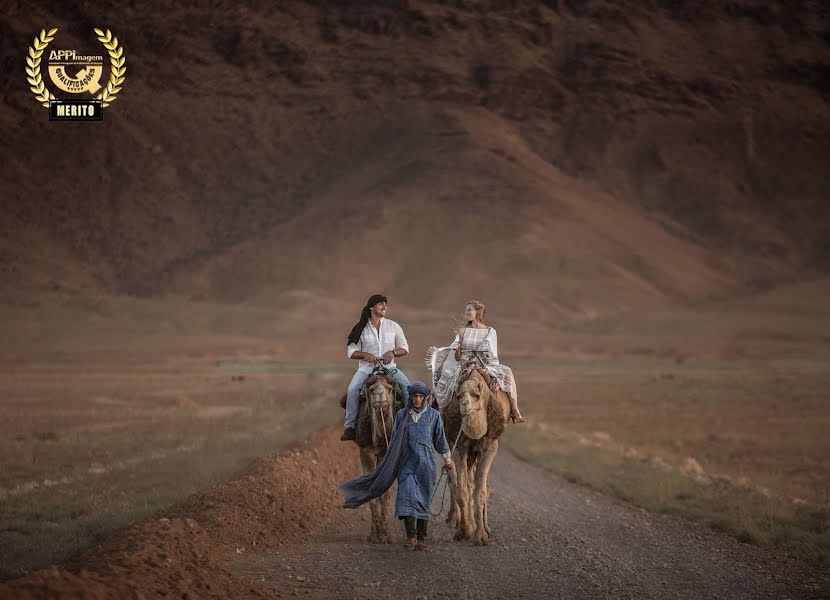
(480, 308)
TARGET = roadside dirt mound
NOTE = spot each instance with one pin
(159, 558)
(182, 553)
(57, 583)
(275, 500)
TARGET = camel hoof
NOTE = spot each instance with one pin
(484, 541)
(461, 536)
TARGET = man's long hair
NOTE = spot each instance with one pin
(354, 334)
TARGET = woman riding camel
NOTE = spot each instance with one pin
(475, 345)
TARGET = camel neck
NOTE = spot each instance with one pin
(475, 425)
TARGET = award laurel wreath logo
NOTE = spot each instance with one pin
(90, 74)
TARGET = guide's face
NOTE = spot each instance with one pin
(417, 400)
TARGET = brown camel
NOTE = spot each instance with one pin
(482, 415)
(374, 428)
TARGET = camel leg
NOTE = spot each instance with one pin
(452, 515)
(458, 485)
(368, 462)
(485, 460)
(385, 511)
(472, 469)
(486, 520)
(472, 466)
(464, 529)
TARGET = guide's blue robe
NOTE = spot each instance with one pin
(416, 477)
(410, 458)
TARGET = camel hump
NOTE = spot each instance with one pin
(498, 413)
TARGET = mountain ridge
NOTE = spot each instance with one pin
(707, 124)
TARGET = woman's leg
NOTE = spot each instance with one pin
(509, 386)
(514, 410)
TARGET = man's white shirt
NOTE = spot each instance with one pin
(390, 337)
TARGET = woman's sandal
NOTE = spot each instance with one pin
(410, 544)
(516, 416)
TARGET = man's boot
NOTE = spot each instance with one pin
(348, 435)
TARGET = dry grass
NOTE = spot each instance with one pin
(742, 450)
(87, 453)
(119, 406)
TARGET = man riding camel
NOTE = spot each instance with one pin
(374, 340)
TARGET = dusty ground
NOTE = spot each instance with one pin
(121, 407)
(553, 540)
(276, 531)
(88, 453)
(181, 552)
(739, 449)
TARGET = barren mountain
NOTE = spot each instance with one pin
(564, 158)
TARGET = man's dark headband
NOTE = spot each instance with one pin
(375, 299)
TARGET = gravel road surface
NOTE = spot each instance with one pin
(552, 539)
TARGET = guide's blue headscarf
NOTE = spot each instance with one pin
(417, 387)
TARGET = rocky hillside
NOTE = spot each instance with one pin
(564, 158)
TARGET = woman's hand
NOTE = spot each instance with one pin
(388, 357)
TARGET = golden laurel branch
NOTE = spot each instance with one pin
(117, 67)
(33, 66)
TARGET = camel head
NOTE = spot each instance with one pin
(380, 394)
(473, 402)
(381, 399)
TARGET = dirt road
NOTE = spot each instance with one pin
(553, 539)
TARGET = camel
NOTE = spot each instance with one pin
(482, 415)
(374, 428)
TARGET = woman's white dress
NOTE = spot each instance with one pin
(481, 347)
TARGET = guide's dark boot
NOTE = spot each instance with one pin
(348, 435)
(422, 535)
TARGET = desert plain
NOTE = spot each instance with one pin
(637, 191)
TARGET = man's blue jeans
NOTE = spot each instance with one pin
(354, 390)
